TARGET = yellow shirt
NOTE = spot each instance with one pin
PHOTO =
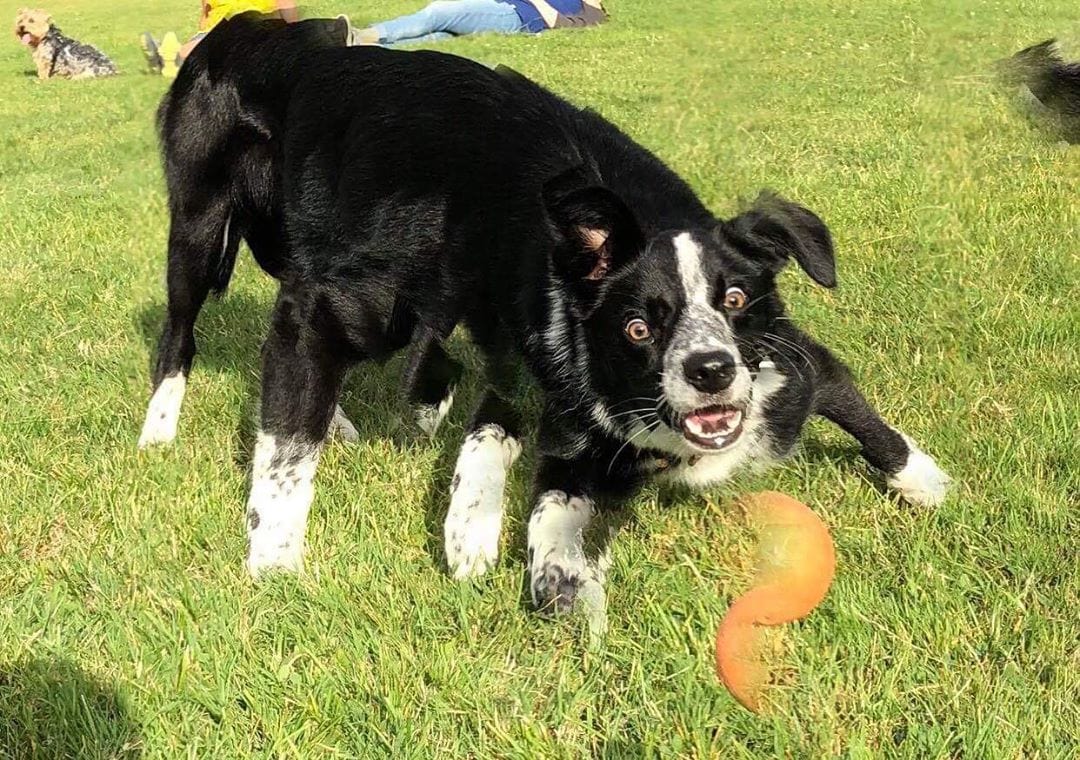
(223, 9)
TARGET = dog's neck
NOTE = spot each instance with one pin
(51, 36)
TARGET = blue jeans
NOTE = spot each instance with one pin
(450, 18)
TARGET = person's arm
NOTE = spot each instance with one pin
(287, 10)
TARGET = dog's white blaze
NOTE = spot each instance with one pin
(342, 427)
(430, 416)
(282, 488)
(920, 481)
(701, 328)
(688, 257)
(163, 413)
(557, 537)
(474, 520)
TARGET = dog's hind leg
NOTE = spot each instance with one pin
(429, 379)
(302, 373)
(201, 255)
(265, 236)
(908, 470)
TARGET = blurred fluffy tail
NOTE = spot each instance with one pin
(1051, 81)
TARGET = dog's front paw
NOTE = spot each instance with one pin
(472, 539)
(555, 586)
(474, 520)
(920, 481)
(273, 548)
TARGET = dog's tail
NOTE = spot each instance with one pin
(1051, 82)
(218, 127)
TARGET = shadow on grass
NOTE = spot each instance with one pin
(845, 455)
(229, 337)
(50, 708)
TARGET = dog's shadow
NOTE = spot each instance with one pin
(229, 335)
(814, 450)
(52, 708)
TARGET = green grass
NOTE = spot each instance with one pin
(127, 625)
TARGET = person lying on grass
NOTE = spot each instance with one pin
(452, 18)
(167, 56)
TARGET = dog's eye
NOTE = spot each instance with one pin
(637, 330)
(734, 299)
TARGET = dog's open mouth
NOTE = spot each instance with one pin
(713, 427)
(26, 38)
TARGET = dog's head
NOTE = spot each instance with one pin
(32, 25)
(675, 328)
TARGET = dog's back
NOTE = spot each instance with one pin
(218, 126)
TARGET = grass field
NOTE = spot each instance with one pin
(128, 626)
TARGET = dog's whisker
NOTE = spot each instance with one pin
(645, 429)
(799, 350)
(632, 412)
(779, 351)
(617, 404)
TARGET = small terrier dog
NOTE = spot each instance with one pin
(55, 54)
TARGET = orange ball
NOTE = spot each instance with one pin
(797, 568)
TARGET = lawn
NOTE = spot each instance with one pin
(127, 623)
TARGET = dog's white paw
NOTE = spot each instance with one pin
(558, 568)
(920, 481)
(275, 536)
(472, 542)
(275, 551)
(163, 412)
(282, 488)
(474, 520)
(342, 427)
(430, 416)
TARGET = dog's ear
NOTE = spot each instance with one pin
(596, 235)
(778, 229)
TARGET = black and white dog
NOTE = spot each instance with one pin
(398, 194)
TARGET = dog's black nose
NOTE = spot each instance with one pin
(710, 372)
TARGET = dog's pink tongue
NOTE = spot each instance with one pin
(26, 39)
(713, 420)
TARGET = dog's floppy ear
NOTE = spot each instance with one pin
(779, 229)
(596, 234)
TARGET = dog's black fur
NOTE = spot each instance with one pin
(1052, 81)
(398, 194)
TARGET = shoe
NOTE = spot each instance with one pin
(342, 18)
(170, 55)
(151, 52)
(354, 36)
